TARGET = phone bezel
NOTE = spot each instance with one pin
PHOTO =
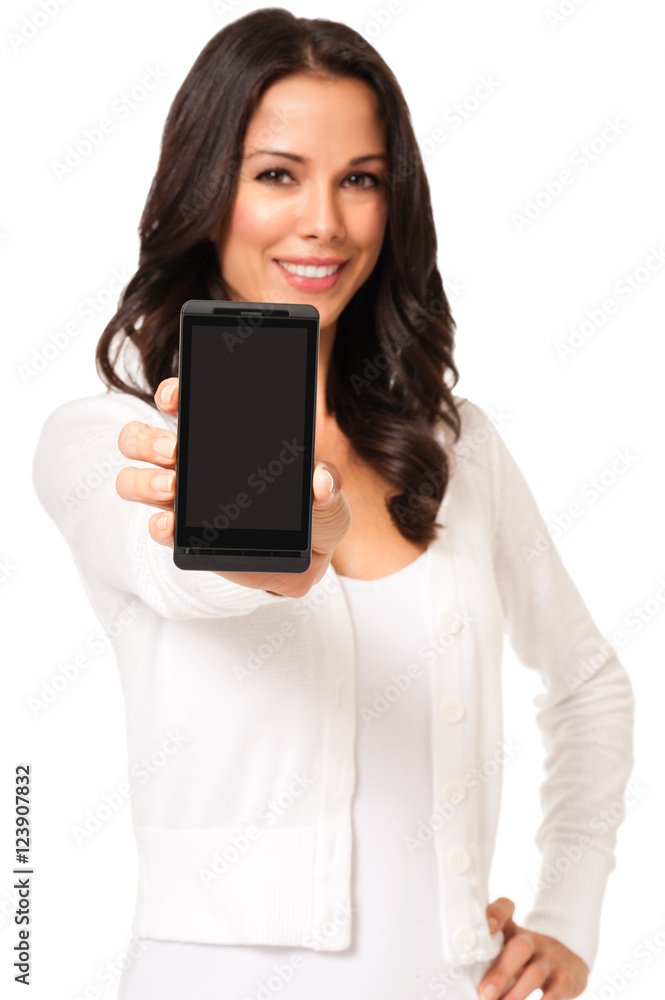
(248, 550)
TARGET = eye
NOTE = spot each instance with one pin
(274, 170)
(278, 171)
(371, 177)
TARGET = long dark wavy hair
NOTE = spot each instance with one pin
(391, 370)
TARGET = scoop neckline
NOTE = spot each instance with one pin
(381, 581)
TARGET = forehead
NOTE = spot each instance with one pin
(316, 112)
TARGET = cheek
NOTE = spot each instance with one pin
(256, 222)
(369, 225)
(368, 232)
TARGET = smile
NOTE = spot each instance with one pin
(310, 277)
(309, 270)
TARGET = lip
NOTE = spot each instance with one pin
(311, 284)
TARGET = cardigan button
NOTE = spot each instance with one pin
(459, 861)
(450, 620)
(453, 791)
(464, 940)
(452, 710)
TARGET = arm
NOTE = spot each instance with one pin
(75, 465)
(585, 714)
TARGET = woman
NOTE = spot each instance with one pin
(327, 818)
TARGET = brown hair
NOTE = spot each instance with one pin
(392, 358)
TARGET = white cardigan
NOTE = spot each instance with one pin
(244, 830)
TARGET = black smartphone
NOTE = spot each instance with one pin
(246, 435)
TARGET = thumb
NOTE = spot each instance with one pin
(324, 484)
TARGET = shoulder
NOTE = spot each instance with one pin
(477, 457)
(477, 428)
(471, 414)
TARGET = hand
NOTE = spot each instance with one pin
(331, 517)
(530, 961)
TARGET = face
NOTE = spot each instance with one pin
(325, 200)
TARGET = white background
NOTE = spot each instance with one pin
(517, 293)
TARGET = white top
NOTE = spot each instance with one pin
(255, 694)
(395, 947)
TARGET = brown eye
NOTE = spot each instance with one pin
(272, 170)
(372, 177)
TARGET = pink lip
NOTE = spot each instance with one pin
(311, 284)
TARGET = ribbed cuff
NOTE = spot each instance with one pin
(223, 593)
(569, 897)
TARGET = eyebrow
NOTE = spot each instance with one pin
(304, 159)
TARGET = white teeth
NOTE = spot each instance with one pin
(309, 270)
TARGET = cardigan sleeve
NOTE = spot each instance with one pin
(585, 713)
(75, 465)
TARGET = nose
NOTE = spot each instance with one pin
(320, 213)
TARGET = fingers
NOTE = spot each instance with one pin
(156, 488)
(166, 396)
(148, 444)
(499, 913)
(529, 961)
(152, 486)
(162, 534)
(509, 966)
(153, 444)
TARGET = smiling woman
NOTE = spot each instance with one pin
(328, 822)
(277, 151)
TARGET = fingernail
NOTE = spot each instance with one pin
(162, 522)
(494, 924)
(167, 392)
(165, 446)
(488, 992)
(163, 482)
(332, 481)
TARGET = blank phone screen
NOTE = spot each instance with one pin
(246, 429)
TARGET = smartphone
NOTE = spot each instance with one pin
(246, 435)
